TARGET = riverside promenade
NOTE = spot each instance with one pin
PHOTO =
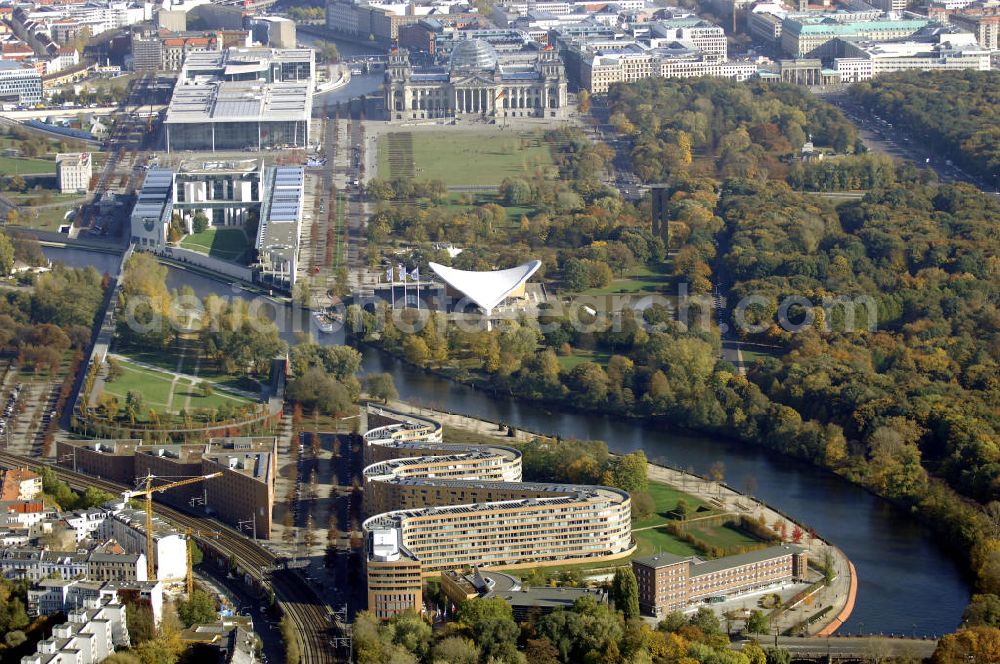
(840, 595)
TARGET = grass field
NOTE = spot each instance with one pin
(666, 498)
(579, 356)
(229, 244)
(449, 156)
(23, 166)
(166, 394)
(639, 279)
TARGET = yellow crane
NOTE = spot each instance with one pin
(148, 494)
(189, 534)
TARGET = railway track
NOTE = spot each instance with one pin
(296, 599)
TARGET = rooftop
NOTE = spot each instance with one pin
(240, 101)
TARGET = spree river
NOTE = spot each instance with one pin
(908, 583)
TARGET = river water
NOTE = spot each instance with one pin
(908, 583)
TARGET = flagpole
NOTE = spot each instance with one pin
(392, 286)
(403, 276)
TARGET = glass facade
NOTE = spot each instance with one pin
(237, 135)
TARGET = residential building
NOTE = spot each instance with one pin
(89, 636)
(128, 527)
(99, 564)
(478, 83)
(986, 28)
(73, 172)
(24, 514)
(478, 515)
(232, 636)
(20, 484)
(525, 602)
(50, 596)
(673, 583)
(19, 84)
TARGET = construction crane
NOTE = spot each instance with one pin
(148, 493)
(188, 533)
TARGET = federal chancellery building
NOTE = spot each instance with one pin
(477, 84)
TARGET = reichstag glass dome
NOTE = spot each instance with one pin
(473, 54)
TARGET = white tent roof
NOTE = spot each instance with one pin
(487, 289)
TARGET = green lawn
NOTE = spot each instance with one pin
(43, 219)
(666, 497)
(723, 537)
(659, 540)
(640, 279)
(24, 166)
(751, 356)
(156, 389)
(567, 362)
(472, 158)
(229, 244)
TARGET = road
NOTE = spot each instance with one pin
(880, 135)
(294, 597)
(852, 647)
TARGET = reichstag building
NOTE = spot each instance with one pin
(477, 84)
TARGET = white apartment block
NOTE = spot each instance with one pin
(73, 171)
(128, 528)
(55, 595)
(90, 635)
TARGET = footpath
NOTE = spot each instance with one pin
(840, 595)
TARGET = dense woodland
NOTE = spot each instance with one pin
(903, 399)
(710, 126)
(957, 113)
(484, 632)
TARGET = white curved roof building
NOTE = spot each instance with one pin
(488, 289)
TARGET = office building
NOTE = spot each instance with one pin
(19, 84)
(673, 583)
(815, 36)
(930, 49)
(280, 226)
(381, 21)
(986, 28)
(524, 602)
(242, 99)
(89, 636)
(244, 491)
(453, 506)
(20, 484)
(73, 172)
(478, 83)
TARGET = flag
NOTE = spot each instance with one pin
(402, 272)
(415, 275)
(388, 274)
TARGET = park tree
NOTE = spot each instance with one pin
(455, 650)
(381, 386)
(758, 623)
(200, 607)
(629, 472)
(625, 592)
(975, 644)
(6, 255)
(983, 610)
